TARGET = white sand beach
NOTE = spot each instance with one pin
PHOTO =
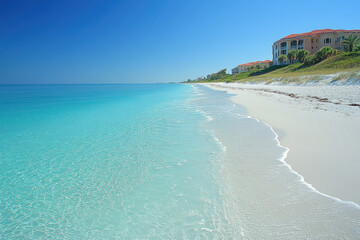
(319, 124)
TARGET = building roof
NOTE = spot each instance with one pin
(316, 32)
(254, 63)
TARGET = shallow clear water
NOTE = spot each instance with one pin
(107, 161)
(150, 161)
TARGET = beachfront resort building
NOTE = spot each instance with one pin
(311, 41)
(248, 66)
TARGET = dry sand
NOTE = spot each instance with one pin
(319, 124)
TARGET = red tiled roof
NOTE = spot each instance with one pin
(253, 63)
(316, 32)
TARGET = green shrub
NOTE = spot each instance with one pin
(309, 60)
(351, 42)
(320, 55)
(357, 49)
(292, 55)
(282, 59)
(325, 52)
(302, 54)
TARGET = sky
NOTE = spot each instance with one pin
(147, 41)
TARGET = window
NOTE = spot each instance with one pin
(327, 40)
(283, 52)
(293, 43)
(301, 44)
(283, 44)
(276, 47)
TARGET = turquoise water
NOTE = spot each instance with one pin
(153, 161)
(107, 162)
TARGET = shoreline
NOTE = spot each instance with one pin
(321, 136)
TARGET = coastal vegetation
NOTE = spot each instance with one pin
(351, 42)
(322, 54)
(219, 75)
(282, 59)
(292, 56)
(326, 61)
(302, 55)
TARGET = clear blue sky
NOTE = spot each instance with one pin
(96, 41)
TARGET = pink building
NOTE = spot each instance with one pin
(246, 66)
(311, 41)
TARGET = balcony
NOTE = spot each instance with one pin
(293, 44)
(283, 45)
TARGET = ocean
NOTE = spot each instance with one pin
(151, 161)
